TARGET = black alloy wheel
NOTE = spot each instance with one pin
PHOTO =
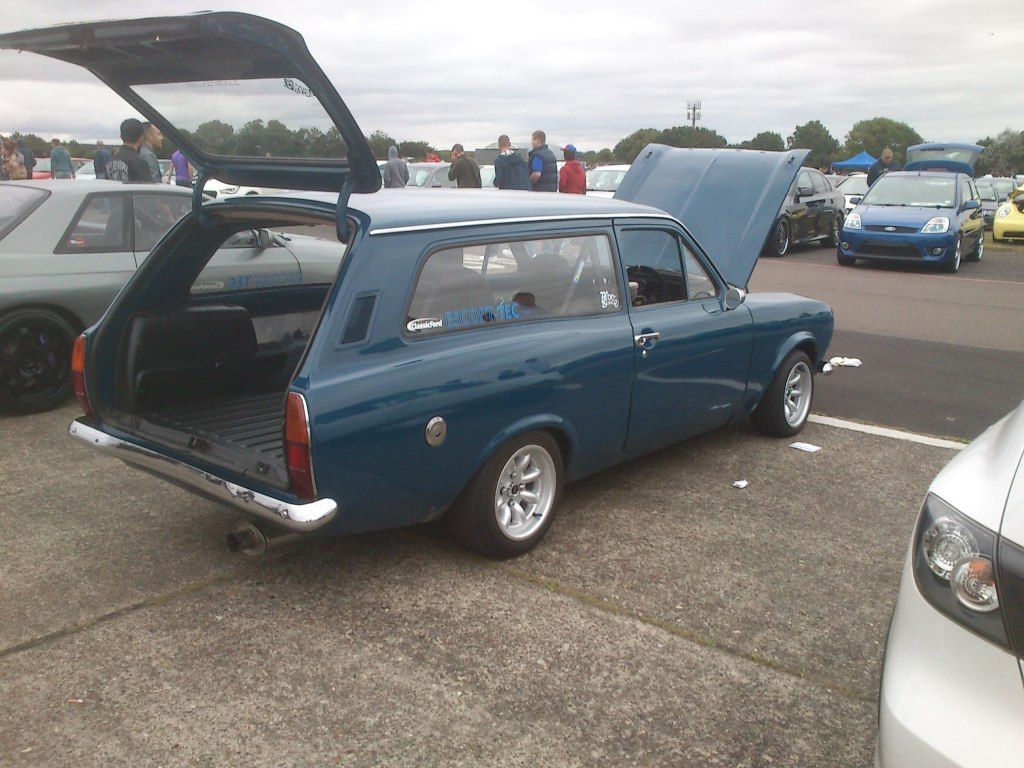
(35, 360)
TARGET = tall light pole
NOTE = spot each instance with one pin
(693, 112)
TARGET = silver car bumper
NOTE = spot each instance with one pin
(295, 517)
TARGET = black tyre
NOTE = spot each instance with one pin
(35, 360)
(787, 402)
(779, 240)
(952, 265)
(978, 251)
(835, 233)
(509, 505)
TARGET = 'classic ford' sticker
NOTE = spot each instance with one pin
(424, 324)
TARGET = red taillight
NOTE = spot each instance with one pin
(78, 375)
(297, 449)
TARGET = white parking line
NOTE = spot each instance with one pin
(896, 434)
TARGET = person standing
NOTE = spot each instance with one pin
(882, 166)
(12, 168)
(61, 166)
(100, 160)
(127, 164)
(396, 170)
(28, 157)
(510, 170)
(152, 140)
(572, 179)
(181, 168)
(543, 167)
(464, 171)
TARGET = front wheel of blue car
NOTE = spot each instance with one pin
(953, 264)
(786, 404)
(509, 505)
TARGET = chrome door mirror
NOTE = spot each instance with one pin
(734, 297)
(264, 238)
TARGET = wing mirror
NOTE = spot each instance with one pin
(734, 297)
(856, 200)
(970, 205)
(264, 238)
(804, 192)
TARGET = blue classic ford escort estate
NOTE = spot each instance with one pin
(474, 352)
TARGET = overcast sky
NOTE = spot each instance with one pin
(593, 72)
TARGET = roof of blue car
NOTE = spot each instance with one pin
(401, 208)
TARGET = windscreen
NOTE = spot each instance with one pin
(913, 191)
(269, 117)
(854, 185)
(604, 180)
(987, 191)
(949, 154)
(15, 204)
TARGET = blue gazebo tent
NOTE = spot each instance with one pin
(861, 162)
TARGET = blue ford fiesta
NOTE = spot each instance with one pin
(928, 213)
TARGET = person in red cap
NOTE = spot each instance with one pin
(572, 179)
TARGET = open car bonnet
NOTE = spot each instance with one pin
(957, 158)
(240, 95)
(728, 198)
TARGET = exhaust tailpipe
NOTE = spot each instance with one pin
(250, 539)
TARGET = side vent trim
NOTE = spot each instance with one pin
(360, 317)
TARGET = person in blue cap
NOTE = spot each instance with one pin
(572, 179)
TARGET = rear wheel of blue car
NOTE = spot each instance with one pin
(787, 402)
(953, 264)
(35, 360)
(510, 503)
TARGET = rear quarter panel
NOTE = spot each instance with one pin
(369, 402)
(783, 322)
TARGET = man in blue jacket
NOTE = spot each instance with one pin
(543, 167)
(510, 170)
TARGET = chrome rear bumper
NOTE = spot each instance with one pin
(295, 517)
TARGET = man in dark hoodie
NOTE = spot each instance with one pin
(510, 171)
(30, 159)
(464, 171)
(396, 171)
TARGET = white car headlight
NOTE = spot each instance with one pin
(853, 221)
(936, 226)
(1003, 212)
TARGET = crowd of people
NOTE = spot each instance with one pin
(135, 160)
(539, 172)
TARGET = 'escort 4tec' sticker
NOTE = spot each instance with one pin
(466, 318)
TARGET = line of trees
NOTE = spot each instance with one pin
(1004, 153)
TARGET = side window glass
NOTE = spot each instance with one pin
(100, 227)
(154, 215)
(803, 181)
(244, 239)
(820, 184)
(699, 284)
(513, 281)
(653, 266)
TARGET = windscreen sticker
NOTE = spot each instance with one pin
(297, 87)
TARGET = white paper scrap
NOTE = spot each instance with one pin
(808, 447)
(740, 484)
(845, 362)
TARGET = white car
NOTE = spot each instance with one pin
(222, 191)
(952, 690)
(853, 188)
(605, 179)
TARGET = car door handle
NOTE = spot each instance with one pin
(642, 339)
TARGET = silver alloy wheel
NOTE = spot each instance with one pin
(957, 254)
(797, 400)
(981, 247)
(836, 226)
(781, 238)
(525, 493)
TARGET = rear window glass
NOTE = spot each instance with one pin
(267, 117)
(15, 204)
(255, 259)
(101, 227)
(510, 282)
(854, 185)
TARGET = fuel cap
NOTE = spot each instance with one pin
(436, 431)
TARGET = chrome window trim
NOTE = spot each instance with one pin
(521, 220)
